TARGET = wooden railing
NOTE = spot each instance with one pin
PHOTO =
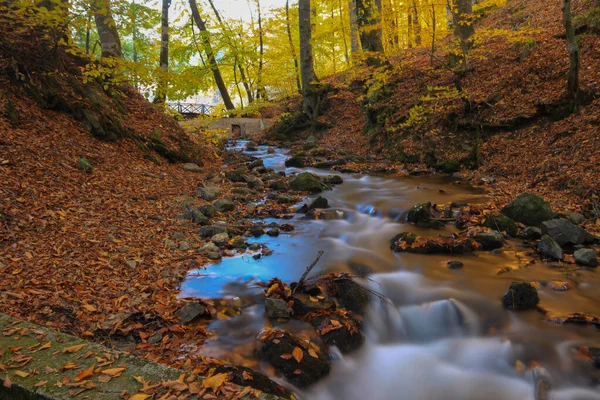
(191, 109)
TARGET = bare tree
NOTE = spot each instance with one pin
(161, 91)
(292, 47)
(107, 30)
(205, 37)
(573, 49)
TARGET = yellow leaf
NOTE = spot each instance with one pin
(312, 353)
(215, 381)
(139, 396)
(22, 374)
(114, 371)
(89, 307)
(297, 353)
(46, 346)
(520, 367)
(74, 349)
(85, 373)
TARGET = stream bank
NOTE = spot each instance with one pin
(440, 320)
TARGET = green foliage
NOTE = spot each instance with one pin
(290, 123)
(84, 165)
(591, 19)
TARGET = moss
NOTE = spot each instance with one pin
(448, 166)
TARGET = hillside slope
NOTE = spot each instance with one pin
(513, 100)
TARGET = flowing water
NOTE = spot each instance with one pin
(443, 334)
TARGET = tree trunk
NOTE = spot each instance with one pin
(307, 70)
(573, 49)
(161, 91)
(291, 40)
(463, 27)
(346, 54)
(369, 23)
(260, 89)
(205, 36)
(416, 24)
(433, 30)
(107, 30)
(354, 37)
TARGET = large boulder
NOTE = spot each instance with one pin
(211, 230)
(521, 296)
(195, 215)
(296, 161)
(237, 175)
(586, 257)
(550, 249)
(502, 223)
(191, 167)
(564, 232)
(531, 233)
(529, 209)
(308, 182)
(208, 193)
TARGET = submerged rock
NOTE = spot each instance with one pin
(256, 164)
(419, 213)
(299, 361)
(502, 223)
(412, 243)
(273, 232)
(296, 161)
(521, 296)
(586, 257)
(550, 249)
(455, 264)
(529, 209)
(564, 232)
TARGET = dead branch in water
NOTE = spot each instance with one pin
(308, 269)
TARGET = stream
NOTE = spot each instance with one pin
(443, 334)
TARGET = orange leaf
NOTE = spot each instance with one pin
(214, 382)
(286, 356)
(86, 373)
(74, 349)
(114, 371)
(312, 353)
(297, 354)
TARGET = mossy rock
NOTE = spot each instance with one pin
(296, 161)
(419, 213)
(529, 209)
(306, 181)
(237, 175)
(501, 223)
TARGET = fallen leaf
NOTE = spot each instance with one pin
(85, 373)
(139, 396)
(297, 353)
(214, 382)
(286, 356)
(7, 382)
(114, 372)
(22, 374)
(40, 383)
(74, 349)
(312, 353)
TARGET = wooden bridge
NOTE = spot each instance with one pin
(191, 110)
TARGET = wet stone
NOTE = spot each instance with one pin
(529, 209)
(211, 230)
(550, 249)
(276, 308)
(208, 193)
(191, 312)
(521, 296)
(319, 202)
(224, 205)
(220, 239)
(333, 180)
(502, 223)
(586, 257)
(490, 241)
(257, 231)
(564, 232)
(531, 233)
(273, 232)
(238, 242)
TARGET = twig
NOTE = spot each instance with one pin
(308, 269)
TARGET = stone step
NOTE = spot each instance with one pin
(39, 363)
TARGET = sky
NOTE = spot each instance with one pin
(239, 8)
